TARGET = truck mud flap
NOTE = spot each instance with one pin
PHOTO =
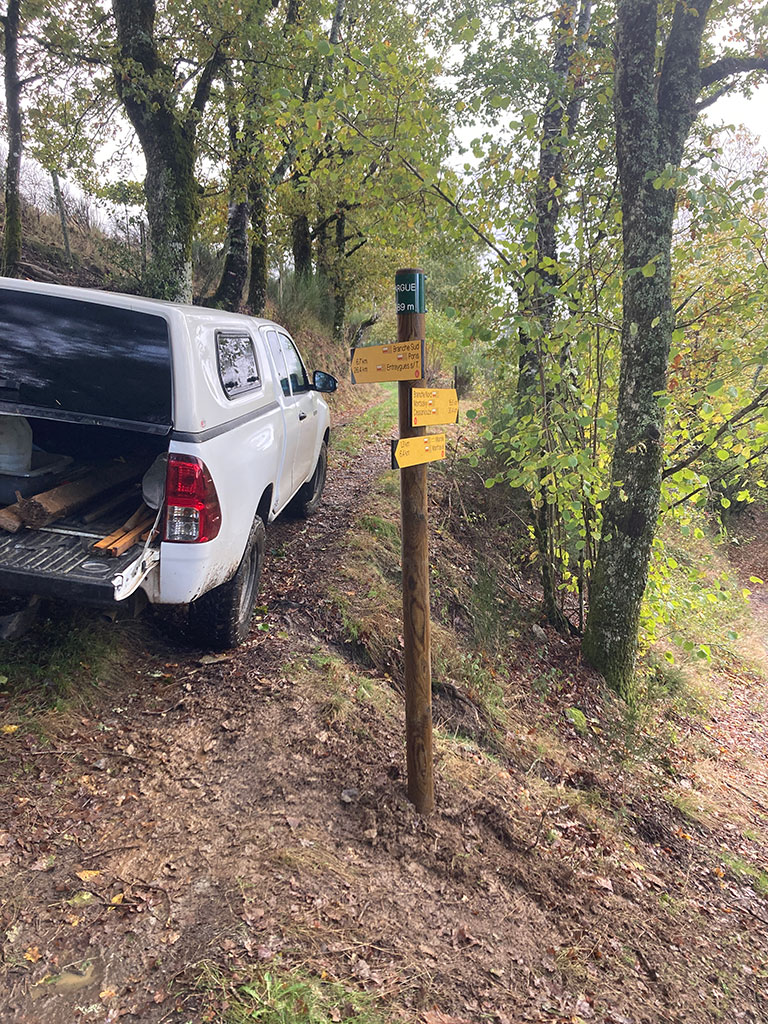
(55, 564)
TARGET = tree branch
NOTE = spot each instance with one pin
(203, 90)
(725, 470)
(355, 248)
(756, 402)
(703, 104)
(727, 66)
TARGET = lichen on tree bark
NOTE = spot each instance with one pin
(653, 118)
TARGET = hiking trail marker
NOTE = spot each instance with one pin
(414, 451)
(430, 406)
(403, 362)
(374, 364)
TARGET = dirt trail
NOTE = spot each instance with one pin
(211, 810)
(130, 849)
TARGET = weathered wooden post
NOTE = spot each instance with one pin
(411, 325)
(403, 362)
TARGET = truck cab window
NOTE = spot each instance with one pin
(296, 371)
(238, 369)
(279, 358)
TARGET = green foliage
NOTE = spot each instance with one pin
(301, 301)
(283, 996)
(743, 870)
(67, 652)
(692, 603)
(578, 720)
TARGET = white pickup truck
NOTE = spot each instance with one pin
(208, 422)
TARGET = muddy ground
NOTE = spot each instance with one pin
(215, 811)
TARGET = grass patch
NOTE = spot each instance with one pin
(747, 872)
(282, 996)
(383, 529)
(378, 419)
(66, 652)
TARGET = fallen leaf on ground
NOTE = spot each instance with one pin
(86, 875)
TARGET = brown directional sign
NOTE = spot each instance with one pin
(413, 451)
(402, 360)
(433, 406)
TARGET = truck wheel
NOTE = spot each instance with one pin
(309, 495)
(223, 616)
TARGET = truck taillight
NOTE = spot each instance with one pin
(192, 510)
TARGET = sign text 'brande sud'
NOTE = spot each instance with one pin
(402, 360)
(410, 291)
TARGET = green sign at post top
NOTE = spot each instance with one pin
(409, 291)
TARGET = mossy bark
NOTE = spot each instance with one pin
(301, 241)
(12, 235)
(229, 293)
(258, 192)
(654, 115)
(172, 207)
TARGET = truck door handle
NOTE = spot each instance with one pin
(302, 416)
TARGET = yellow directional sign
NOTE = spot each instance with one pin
(434, 405)
(413, 451)
(402, 360)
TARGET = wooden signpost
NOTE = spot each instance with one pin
(403, 361)
(418, 406)
(411, 323)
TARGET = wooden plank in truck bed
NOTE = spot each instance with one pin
(9, 519)
(41, 509)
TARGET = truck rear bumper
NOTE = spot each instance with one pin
(53, 564)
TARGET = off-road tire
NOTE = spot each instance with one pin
(309, 495)
(222, 617)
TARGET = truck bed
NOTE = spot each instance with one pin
(60, 561)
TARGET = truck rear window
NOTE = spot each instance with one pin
(72, 359)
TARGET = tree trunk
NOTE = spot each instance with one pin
(257, 285)
(302, 246)
(229, 293)
(62, 214)
(540, 300)
(654, 114)
(12, 236)
(338, 278)
(167, 137)
(172, 211)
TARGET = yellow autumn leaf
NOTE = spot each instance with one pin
(32, 954)
(118, 899)
(86, 876)
(8, 729)
(107, 993)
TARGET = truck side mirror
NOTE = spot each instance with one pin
(322, 381)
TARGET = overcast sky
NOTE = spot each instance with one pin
(737, 110)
